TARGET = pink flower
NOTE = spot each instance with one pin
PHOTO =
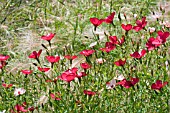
(26, 72)
(48, 37)
(43, 69)
(111, 84)
(120, 62)
(126, 27)
(35, 55)
(81, 74)
(90, 93)
(4, 57)
(85, 65)
(158, 85)
(53, 59)
(138, 55)
(109, 19)
(87, 52)
(19, 91)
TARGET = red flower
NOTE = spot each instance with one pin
(163, 36)
(85, 65)
(134, 80)
(48, 37)
(158, 85)
(52, 95)
(87, 52)
(138, 55)
(35, 55)
(3, 57)
(120, 62)
(31, 109)
(69, 75)
(90, 93)
(113, 39)
(127, 84)
(26, 72)
(43, 69)
(20, 108)
(109, 19)
(96, 22)
(127, 27)
(7, 85)
(140, 24)
(149, 44)
(53, 59)
(108, 47)
(69, 57)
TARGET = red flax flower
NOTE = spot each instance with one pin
(43, 69)
(109, 19)
(35, 55)
(48, 37)
(4, 57)
(53, 59)
(127, 84)
(113, 39)
(126, 27)
(69, 75)
(120, 62)
(140, 24)
(153, 43)
(163, 36)
(138, 55)
(90, 93)
(7, 85)
(108, 47)
(85, 65)
(69, 57)
(26, 72)
(20, 108)
(96, 22)
(158, 85)
(87, 52)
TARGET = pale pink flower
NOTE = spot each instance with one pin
(19, 91)
(100, 60)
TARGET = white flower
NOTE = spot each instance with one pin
(19, 91)
(100, 60)
(151, 29)
(43, 99)
(111, 84)
(93, 44)
(3, 111)
(120, 77)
